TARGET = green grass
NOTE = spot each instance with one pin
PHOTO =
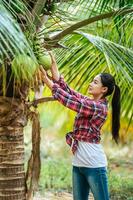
(121, 187)
(56, 176)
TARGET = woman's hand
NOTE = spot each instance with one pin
(45, 78)
(54, 68)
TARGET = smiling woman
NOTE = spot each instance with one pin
(89, 160)
(97, 89)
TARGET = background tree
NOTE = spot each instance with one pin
(87, 36)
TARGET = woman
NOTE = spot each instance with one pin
(89, 160)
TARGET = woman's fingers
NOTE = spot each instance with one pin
(54, 68)
(49, 77)
(43, 70)
(45, 77)
(39, 76)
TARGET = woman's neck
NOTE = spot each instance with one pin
(97, 98)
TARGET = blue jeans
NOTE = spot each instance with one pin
(86, 179)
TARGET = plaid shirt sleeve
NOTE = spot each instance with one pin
(83, 106)
(65, 87)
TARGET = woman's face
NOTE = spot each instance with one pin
(96, 88)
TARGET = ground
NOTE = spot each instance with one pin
(56, 196)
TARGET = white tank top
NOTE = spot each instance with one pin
(89, 155)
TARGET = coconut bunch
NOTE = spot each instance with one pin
(43, 56)
(25, 70)
(25, 66)
(28, 52)
(41, 53)
(22, 50)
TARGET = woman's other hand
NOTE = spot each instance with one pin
(45, 78)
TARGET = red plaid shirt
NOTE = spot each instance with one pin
(90, 114)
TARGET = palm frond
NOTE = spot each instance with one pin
(12, 38)
(68, 14)
(91, 7)
(13, 44)
(89, 55)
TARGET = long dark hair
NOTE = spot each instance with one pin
(109, 82)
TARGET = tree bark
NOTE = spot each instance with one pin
(13, 118)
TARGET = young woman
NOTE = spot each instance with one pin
(89, 160)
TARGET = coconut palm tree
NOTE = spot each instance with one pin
(87, 36)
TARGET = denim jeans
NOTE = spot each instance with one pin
(86, 179)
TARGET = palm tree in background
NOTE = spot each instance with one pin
(87, 37)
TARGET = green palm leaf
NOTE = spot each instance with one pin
(12, 38)
(14, 43)
(89, 55)
(69, 13)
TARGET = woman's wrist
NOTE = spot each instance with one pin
(56, 77)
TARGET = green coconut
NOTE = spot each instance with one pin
(45, 60)
(23, 67)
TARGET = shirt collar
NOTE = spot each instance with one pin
(103, 100)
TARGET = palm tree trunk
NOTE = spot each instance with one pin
(13, 118)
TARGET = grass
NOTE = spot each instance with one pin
(56, 176)
(121, 188)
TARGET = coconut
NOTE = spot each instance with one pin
(23, 66)
(45, 60)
